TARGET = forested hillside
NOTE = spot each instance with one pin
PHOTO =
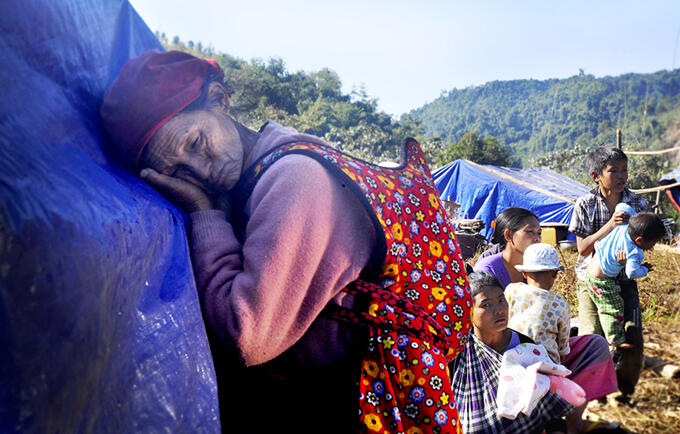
(535, 117)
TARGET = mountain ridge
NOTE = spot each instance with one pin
(534, 117)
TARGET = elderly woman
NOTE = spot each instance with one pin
(475, 373)
(516, 229)
(322, 278)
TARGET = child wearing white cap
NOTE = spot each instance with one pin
(536, 311)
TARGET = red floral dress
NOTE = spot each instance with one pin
(416, 291)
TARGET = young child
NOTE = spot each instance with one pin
(536, 311)
(621, 248)
(545, 317)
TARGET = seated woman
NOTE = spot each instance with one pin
(475, 372)
(516, 229)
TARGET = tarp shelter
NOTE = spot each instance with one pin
(100, 323)
(483, 191)
(673, 193)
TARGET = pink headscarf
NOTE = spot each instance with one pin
(149, 91)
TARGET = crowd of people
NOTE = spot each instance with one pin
(334, 291)
(612, 230)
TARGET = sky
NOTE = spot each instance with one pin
(406, 53)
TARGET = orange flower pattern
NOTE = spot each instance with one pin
(419, 303)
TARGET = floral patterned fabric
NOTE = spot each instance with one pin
(415, 292)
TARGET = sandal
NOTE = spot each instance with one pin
(601, 427)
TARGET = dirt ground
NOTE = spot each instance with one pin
(657, 398)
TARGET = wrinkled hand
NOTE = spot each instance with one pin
(619, 218)
(621, 257)
(648, 265)
(182, 193)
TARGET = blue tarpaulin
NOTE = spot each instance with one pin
(100, 323)
(483, 191)
(673, 193)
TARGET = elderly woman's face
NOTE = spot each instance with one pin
(201, 147)
(490, 313)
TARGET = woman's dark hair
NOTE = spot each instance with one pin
(480, 279)
(510, 218)
(601, 156)
(647, 225)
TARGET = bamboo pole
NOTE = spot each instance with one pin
(653, 189)
(660, 151)
(656, 205)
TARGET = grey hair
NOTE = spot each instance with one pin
(480, 279)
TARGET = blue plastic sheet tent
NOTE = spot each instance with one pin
(483, 191)
(673, 193)
(100, 324)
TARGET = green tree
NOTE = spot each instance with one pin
(487, 150)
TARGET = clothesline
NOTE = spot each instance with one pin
(653, 189)
(662, 151)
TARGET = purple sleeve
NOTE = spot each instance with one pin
(514, 340)
(307, 237)
(494, 264)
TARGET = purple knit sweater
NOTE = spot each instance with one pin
(307, 237)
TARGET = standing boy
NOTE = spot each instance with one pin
(593, 218)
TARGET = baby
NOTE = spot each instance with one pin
(622, 248)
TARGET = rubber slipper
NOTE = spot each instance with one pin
(601, 426)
